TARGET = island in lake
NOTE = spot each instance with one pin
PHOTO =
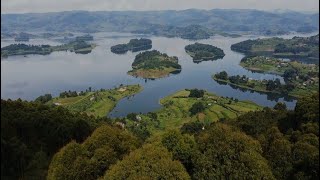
(153, 64)
(203, 52)
(300, 79)
(297, 47)
(80, 47)
(134, 45)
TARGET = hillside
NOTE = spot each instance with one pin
(295, 48)
(129, 21)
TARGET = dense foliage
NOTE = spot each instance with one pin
(228, 153)
(148, 162)
(267, 144)
(197, 93)
(155, 60)
(196, 108)
(31, 133)
(134, 45)
(44, 98)
(93, 157)
(200, 51)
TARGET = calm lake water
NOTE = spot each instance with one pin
(35, 75)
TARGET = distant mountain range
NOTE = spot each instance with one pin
(225, 20)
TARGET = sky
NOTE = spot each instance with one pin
(36, 6)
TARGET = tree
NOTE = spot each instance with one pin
(94, 156)
(192, 127)
(222, 75)
(32, 132)
(278, 151)
(132, 116)
(196, 108)
(183, 147)
(196, 93)
(280, 106)
(148, 162)
(43, 99)
(226, 153)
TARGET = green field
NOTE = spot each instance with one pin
(98, 103)
(175, 111)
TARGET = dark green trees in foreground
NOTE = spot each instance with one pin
(268, 144)
(94, 156)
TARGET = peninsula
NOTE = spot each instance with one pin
(297, 47)
(300, 79)
(97, 103)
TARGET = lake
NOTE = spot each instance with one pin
(34, 75)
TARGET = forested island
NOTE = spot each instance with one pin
(23, 49)
(42, 141)
(297, 47)
(300, 79)
(134, 45)
(202, 52)
(153, 64)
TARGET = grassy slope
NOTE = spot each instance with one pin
(101, 105)
(175, 111)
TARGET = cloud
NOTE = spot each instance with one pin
(23, 6)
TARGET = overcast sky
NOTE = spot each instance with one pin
(23, 6)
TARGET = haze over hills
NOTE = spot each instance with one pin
(144, 21)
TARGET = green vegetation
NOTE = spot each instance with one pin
(97, 103)
(153, 64)
(148, 162)
(300, 79)
(297, 47)
(240, 155)
(263, 144)
(180, 108)
(32, 132)
(94, 156)
(134, 45)
(23, 49)
(201, 52)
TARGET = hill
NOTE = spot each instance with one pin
(220, 20)
(297, 47)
